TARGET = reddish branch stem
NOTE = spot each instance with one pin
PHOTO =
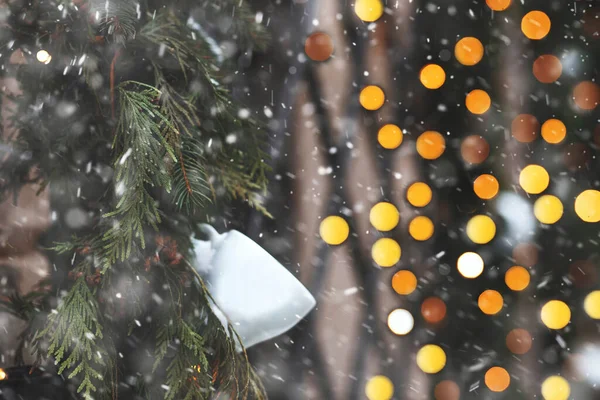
(112, 81)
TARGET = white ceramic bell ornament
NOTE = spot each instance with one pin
(259, 296)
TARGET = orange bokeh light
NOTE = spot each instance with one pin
(478, 102)
(535, 25)
(486, 186)
(431, 145)
(497, 379)
(517, 278)
(490, 302)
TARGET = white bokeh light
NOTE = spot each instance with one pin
(43, 56)
(401, 321)
(470, 265)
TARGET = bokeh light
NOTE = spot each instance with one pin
(43, 56)
(431, 145)
(318, 46)
(586, 95)
(400, 321)
(490, 302)
(554, 131)
(481, 229)
(404, 282)
(497, 379)
(390, 136)
(547, 68)
(468, 51)
(419, 194)
(432, 76)
(556, 388)
(534, 179)
(433, 310)
(478, 101)
(386, 252)
(535, 25)
(379, 387)
(368, 10)
(498, 5)
(446, 390)
(519, 341)
(526, 254)
(548, 209)
(524, 128)
(431, 359)
(372, 97)
(474, 149)
(591, 304)
(486, 186)
(517, 278)
(421, 228)
(470, 265)
(384, 216)
(556, 314)
(334, 230)
(587, 205)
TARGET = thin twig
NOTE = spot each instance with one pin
(112, 81)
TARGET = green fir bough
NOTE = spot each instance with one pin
(128, 96)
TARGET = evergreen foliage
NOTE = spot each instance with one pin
(135, 88)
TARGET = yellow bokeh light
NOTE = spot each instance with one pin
(468, 51)
(554, 131)
(517, 278)
(400, 322)
(334, 230)
(498, 5)
(368, 10)
(535, 25)
(470, 265)
(372, 97)
(431, 359)
(556, 314)
(478, 101)
(386, 252)
(431, 145)
(486, 186)
(534, 179)
(548, 209)
(404, 282)
(481, 229)
(587, 205)
(490, 302)
(419, 194)
(432, 76)
(390, 136)
(591, 304)
(421, 228)
(556, 388)
(384, 216)
(3, 374)
(379, 388)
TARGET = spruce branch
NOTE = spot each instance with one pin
(190, 187)
(74, 331)
(191, 54)
(244, 25)
(141, 148)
